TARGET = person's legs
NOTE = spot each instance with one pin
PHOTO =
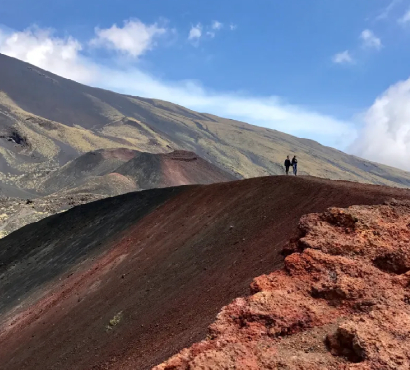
(295, 169)
(287, 170)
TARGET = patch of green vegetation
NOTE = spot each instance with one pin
(114, 321)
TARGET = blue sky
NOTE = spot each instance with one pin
(329, 70)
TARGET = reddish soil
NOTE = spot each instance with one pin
(182, 168)
(155, 268)
(341, 302)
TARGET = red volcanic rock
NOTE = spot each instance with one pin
(164, 261)
(342, 301)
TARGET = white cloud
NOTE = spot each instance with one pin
(216, 25)
(263, 111)
(343, 58)
(405, 19)
(200, 32)
(386, 134)
(63, 57)
(41, 48)
(196, 32)
(134, 38)
(370, 40)
(233, 27)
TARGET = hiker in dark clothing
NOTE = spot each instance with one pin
(295, 165)
(287, 165)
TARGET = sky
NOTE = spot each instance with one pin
(335, 71)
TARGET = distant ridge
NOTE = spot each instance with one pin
(102, 173)
(131, 170)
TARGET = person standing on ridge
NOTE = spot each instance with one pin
(287, 165)
(295, 165)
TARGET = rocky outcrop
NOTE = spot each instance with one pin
(342, 301)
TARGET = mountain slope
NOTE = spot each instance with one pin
(102, 173)
(78, 171)
(131, 170)
(126, 282)
(340, 302)
(46, 120)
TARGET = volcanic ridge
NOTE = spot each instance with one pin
(340, 302)
(106, 172)
(129, 281)
(124, 170)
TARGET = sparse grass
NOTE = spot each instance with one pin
(114, 321)
(105, 109)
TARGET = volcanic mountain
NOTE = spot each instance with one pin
(102, 173)
(47, 121)
(128, 281)
(117, 171)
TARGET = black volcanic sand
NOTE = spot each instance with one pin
(162, 262)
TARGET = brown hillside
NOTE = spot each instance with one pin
(106, 172)
(46, 121)
(117, 171)
(126, 282)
